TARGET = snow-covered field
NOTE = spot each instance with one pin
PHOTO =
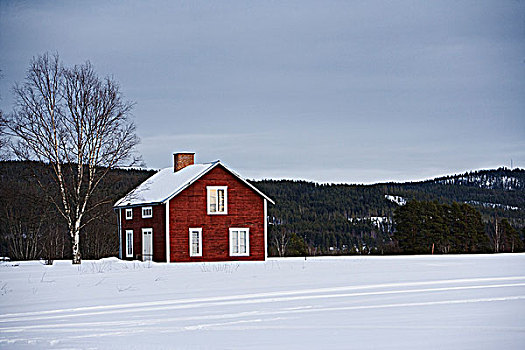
(412, 302)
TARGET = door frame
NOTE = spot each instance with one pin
(147, 232)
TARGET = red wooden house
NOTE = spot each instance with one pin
(193, 212)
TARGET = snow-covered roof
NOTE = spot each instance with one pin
(166, 184)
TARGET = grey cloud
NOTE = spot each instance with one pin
(382, 90)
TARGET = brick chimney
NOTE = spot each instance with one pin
(182, 160)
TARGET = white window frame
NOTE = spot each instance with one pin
(230, 238)
(199, 230)
(129, 248)
(129, 213)
(208, 202)
(146, 216)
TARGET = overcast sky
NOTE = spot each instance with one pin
(330, 91)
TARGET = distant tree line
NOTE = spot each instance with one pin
(319, 219)
(308, 218)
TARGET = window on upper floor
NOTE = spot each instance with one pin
(147, 212)
(129, 214)
(195, 241)
(217, 199)
(239, 242)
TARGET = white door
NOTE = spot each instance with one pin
(147, 244)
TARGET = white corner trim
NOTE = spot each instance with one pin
(167, 228)
(119, 229)
(265, 229)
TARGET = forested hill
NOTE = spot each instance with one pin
(339, 217)
(502, 178)
(494, 192)
(307, 217)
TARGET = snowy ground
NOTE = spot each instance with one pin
(413, 302)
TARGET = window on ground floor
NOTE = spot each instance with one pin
(129, 243)
(239, 242)
(195, 241)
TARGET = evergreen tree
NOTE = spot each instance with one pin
(457, 228)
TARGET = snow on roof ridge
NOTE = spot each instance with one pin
(166, 184)
(212, 162)
(192, 180)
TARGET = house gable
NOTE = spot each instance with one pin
(231, 172)
(189, 210)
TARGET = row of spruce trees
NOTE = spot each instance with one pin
(423, 227)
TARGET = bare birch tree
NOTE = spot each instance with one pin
(3, 138)
(281, 238)
(3, 134)
(79, 124)
(496, 236)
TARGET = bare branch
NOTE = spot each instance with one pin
(77, 123)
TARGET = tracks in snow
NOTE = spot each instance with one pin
(75, 317)
(295, 310)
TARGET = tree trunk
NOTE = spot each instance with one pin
(496, 238)
(75, 240)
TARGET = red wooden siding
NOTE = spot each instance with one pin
(157, 223)
(188, 209)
